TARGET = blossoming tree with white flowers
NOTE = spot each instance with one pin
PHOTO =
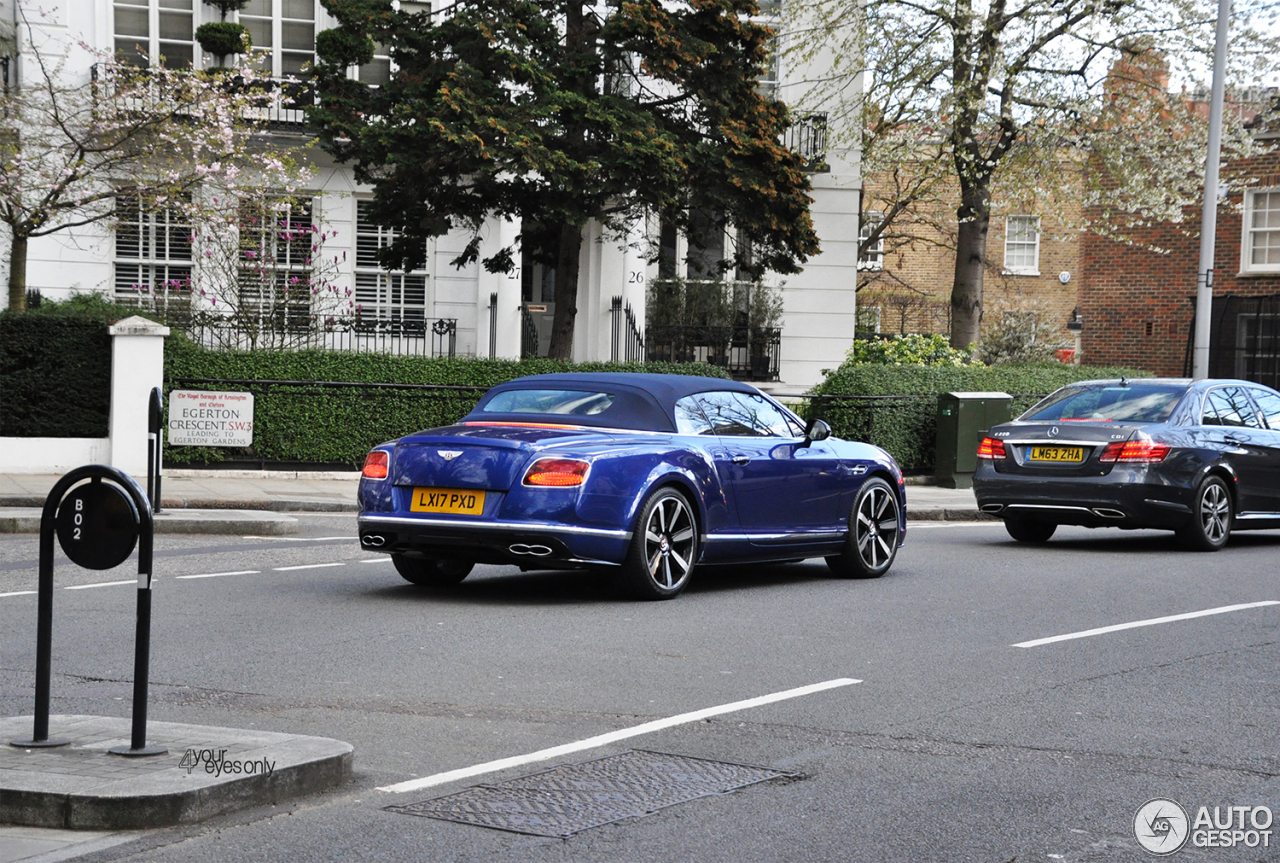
(74, 142)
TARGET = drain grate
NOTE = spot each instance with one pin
(575, 797)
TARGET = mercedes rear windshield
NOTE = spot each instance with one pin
(1128, 403)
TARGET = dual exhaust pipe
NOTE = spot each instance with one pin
(377, 540)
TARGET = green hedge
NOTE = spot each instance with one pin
(311, 424)
(55, 375)
(895, 407)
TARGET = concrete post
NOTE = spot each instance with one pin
(137, 366)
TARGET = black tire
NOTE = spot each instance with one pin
(664, 547)
(432, 573)
(874, 533)
(1029, 530)
(1211, 512)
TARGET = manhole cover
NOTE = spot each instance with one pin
(569, 799)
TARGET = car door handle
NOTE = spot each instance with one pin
(1235, 440)
(741, 459)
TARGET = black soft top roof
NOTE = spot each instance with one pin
(641, 401)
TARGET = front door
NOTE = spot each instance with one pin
(778, 486)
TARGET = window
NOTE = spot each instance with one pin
(690, 419)
(746, 415)
(153, 255)
(1228, 406)
(569, 402)
(275, 266)
(1261, 232)
(155, 31)
(866, 319)
(382, 295)
(1140, 403)
(286, 29)
(873, 257)
(1269, 403)
(1022, 245)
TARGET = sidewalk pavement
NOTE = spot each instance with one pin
(206, 771)
(256, 502)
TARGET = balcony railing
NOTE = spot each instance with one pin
(807, 136)
(275, 102)
(748, 353)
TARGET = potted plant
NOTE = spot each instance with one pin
(223, 38)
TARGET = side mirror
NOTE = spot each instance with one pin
(817, 430)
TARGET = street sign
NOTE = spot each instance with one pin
(97, 525)
(198, 418)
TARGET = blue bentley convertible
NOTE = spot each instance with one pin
(641, 475)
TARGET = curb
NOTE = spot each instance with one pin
(82, 787)
(204, 521)
(944, 514)
(265, 504)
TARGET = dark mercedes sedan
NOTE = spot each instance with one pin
(1201, 458)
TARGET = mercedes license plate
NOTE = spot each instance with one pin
(1055, 453)
(459, 501)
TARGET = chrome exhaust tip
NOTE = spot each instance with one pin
(1107, 513)
(992, 507)
(373, 540)
(534, 550)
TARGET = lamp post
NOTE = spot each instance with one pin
(1209, 216)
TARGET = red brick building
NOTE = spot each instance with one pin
(1138, 305)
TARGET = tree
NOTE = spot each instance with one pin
(73, 140)
(559, 113)
(962, 99)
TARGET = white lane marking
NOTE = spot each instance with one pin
(303, 538)
(102, 584)
(220, 574)
(377, 560)
(18, 593)
(611, 737)
(308, 566)
(1102, 630)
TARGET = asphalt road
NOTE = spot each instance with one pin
(955, 745)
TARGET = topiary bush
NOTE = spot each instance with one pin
(306, 423)
(895, 406)
(221, 38)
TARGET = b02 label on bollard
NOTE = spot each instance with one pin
(97, 525)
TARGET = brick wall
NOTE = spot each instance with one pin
(1137, 303)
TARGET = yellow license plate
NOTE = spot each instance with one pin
(1055, 453)
(459, 501)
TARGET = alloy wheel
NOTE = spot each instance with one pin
(669, 538)
(876, 526)
(1215, 512)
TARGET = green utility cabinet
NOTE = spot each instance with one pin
(963, 420)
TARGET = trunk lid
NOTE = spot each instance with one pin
(1061, 448)
(474, 457)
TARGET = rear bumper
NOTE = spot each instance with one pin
(521, 543)
(1112, 501)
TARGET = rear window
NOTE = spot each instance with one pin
(567, 402)
(1134, 403)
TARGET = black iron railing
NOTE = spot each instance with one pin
(807, 136)
(493, 326)
(627, 343)
(748, 353)
(528, 334)
(430, 337)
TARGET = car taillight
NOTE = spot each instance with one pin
(1134, 452)
(557, 472)
(376, 465)
(991, 448)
